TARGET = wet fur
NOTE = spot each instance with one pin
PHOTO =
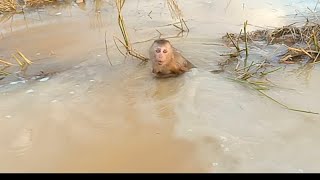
(175, 65)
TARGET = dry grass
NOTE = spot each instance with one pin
(254, 75)
(176, 13)
(302, 42)
(37, 3)
(12, 6)
(9, 6)
(255, 72)
(126, 43)
(96, 17)
(20, 58)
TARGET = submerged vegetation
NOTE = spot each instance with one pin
(126, 43)
(175, 13)
(303, 41)
(300, 41)
(9, 8)
(302, 44)
(22, 61)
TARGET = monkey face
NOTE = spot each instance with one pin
(162, 54)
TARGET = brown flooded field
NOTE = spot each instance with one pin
(90, 116)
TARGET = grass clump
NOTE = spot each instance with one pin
(254, 74)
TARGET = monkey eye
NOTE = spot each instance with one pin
(158, 50)
(165, 51)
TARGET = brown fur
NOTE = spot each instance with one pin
(166, 60)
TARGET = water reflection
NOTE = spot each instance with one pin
(91, 116)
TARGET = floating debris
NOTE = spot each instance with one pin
(44, 79)
(8, 116)
(30, 91)
(17, 82)
(300, 170)
(53, 101)
(223, 138)
(302, 44)
(215, 164)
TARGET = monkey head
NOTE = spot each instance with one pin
(161, 52)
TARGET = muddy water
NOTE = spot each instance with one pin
(89, 116)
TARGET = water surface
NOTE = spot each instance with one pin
(89, 116)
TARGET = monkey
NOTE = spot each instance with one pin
(166, 60)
